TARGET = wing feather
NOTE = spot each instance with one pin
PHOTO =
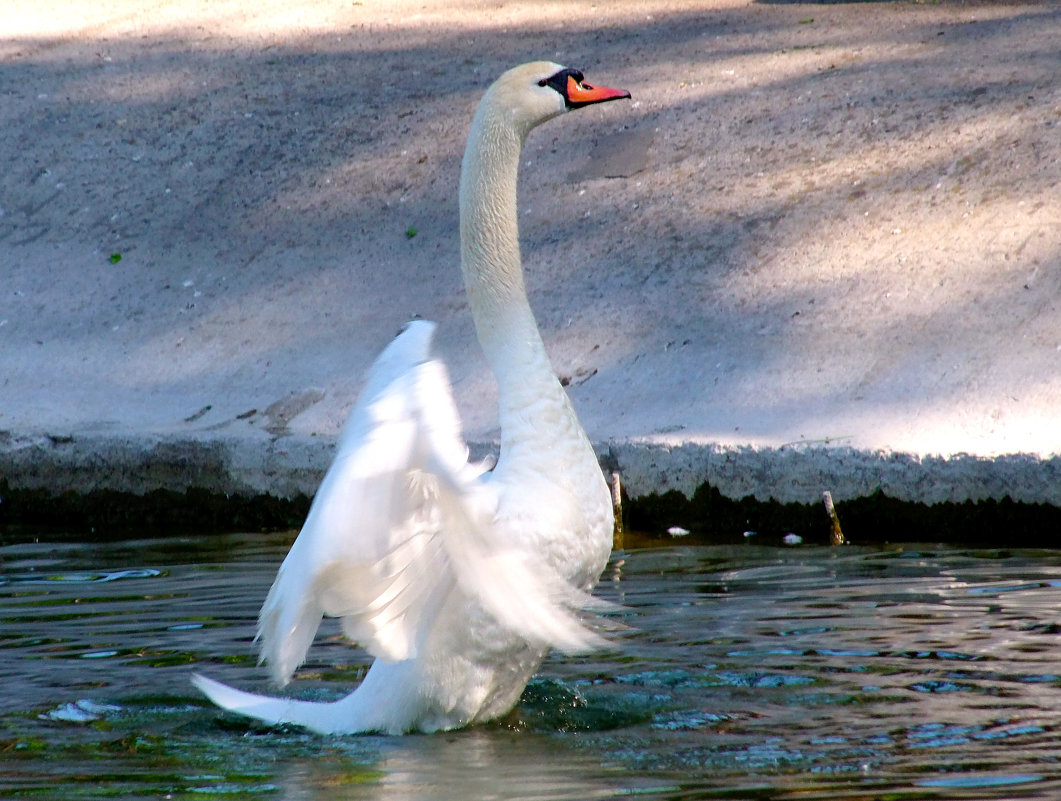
(400, 521)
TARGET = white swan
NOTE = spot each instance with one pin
(457, 580)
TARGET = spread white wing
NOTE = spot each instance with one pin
(401, 521)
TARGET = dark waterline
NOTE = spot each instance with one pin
(750, 672)
(708, 516)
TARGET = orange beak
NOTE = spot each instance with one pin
(582, 94)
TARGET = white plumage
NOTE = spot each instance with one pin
(457, 579)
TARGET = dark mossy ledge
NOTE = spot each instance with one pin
(708, 516)
(105, 514)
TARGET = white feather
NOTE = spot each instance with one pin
(401, 520)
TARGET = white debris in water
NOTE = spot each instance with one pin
(749, 534)
(792, 539)
(677, 531)
(83, 711)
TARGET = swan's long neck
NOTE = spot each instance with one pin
(493, 274)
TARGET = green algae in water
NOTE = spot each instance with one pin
(194, 756)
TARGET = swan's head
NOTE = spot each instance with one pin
(532, 93)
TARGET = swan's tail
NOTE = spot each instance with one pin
(324, 718)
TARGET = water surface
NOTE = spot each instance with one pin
(750, 672)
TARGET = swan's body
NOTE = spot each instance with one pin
(457, 580)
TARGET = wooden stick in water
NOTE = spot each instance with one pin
(837, 535)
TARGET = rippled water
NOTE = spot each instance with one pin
(765, 673)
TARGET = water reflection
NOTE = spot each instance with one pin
(459, 766)
(748, 672)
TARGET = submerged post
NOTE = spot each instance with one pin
(837, 536)
(617, 511)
